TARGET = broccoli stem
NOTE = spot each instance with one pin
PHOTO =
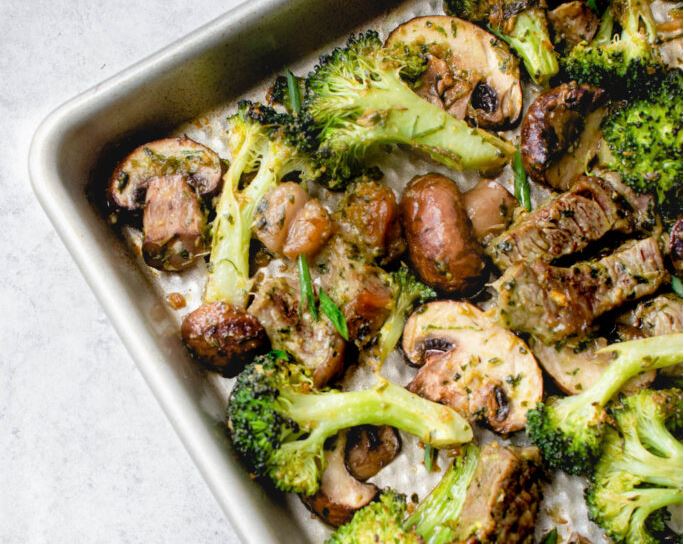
(384, 404)
(229, 279)
(530, 39)
(434, 516)
(394, 114)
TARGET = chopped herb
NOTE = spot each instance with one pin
(306, 287)
(293, 92)
(677, 286)
(551, 537)
(334, 314)
(429, 457)
(521, 183)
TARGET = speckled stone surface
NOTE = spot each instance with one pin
(86, 454)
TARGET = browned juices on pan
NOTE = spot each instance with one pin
(441, 243)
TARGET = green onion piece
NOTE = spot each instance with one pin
(306, 287)
(293, 92)
(428, 458)
(335, 315)
(521, 183)
(551, 537)
(594, 7)
(677, 286)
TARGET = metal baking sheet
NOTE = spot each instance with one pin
(189, 87)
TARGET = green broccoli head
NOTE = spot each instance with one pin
(569, 430)
(279, 425)
(380, 521)
(639, 472)
(521, 24)
(408, 292)
(625, 64)
(356, 100)
(645, 141)
(261, 143)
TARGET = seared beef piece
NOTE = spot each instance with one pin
(503, 498)
(360, 289)
(566, 224)
(653, 317)
(315, 344)
(552, 302)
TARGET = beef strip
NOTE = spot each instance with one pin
(503, 498)
(565, 225)
(553, 302)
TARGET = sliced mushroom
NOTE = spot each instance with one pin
(473, 365)
(223, 337)
(574, 364)
(490, 209)
(201, 166)
(552, 125)
(174, 224)
(315, 344)
(470, 72)
(309, 231)
(368, 217)
(275, 213)
(573, 22)
(340, 494)
(370, 449)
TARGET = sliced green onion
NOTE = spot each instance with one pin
(551, 537)
(293, 92)
(677, 286)
(306, 291)
(520, 182)
(429, 457)
(334, 314)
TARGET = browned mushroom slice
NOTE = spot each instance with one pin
(553, 123)
(316, 344)
(173, 224)
(469, 363)
(573, 22)
(201, 166)
(574, 364)
(309, 231)
(368, 217)
(490, 209)
(340, 494)
(223, 337)
(503, 498)
(470, 72)
(275, 213)
(369, 449)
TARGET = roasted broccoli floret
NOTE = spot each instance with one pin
(625, 64)
(279, 424)
(645, 142)
(522, 25)
(568, 430)
(639, 472)
(408, 291)
(259, 146)
(380, 521)
(356, 100)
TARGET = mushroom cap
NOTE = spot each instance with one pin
(369, 449)
(478, 77)
(470, 363)
(340, 494)
(131, 177)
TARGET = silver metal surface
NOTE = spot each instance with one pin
(212, 66)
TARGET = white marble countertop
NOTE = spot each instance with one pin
(86, 454)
